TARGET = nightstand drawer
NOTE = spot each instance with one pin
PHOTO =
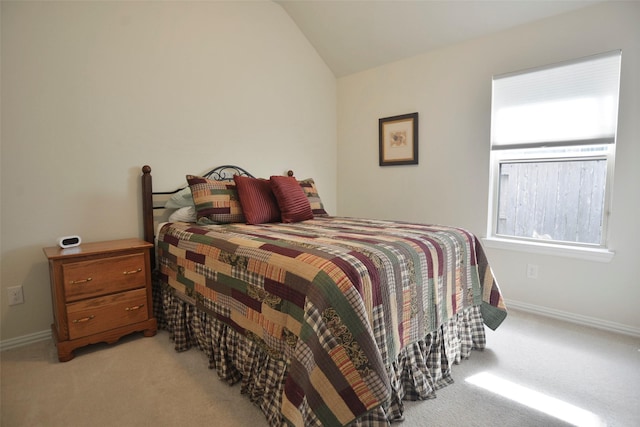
(86, 279)
(95, 315)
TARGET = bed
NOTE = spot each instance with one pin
(323, 320)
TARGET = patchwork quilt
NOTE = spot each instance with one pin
(337, 297)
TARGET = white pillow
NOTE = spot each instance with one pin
(184, 214)
(181, 199)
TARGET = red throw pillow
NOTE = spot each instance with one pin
(259, 205)
(293, 202)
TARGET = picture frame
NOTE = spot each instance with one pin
(398, 140)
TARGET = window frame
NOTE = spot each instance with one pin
(532, 155)
(532, 152)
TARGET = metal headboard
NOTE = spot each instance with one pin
(226, 173)
(153, 201)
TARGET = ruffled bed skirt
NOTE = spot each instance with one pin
(420, 369)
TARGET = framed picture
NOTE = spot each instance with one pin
(399, 140)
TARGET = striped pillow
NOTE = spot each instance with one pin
(309, 188)
(292, 201)
(216, 201)
(259, 205)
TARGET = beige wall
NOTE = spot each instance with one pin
(451, 90)
(91, 91)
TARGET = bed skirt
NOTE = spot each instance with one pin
(420, 369)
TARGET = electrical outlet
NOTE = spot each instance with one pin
(15, 295)
(532, 271)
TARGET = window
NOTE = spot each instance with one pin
(553, 132)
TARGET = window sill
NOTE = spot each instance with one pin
(588, 254)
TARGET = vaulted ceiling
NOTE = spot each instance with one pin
(355, 35)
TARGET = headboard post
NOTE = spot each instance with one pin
(147, 204)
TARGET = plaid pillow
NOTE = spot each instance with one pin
(309, 187)
(216, 201)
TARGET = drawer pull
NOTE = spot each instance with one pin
(76, 282)
(132, 271)
(135, 307)
(84, 319)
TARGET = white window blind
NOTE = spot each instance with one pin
(570, 103)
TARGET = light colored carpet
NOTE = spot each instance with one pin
(144, 382)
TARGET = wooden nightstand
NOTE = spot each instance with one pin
(101, 291)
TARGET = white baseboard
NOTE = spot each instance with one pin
(574, 318)
(25, 339)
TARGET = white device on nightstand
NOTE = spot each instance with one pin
(69, 241)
